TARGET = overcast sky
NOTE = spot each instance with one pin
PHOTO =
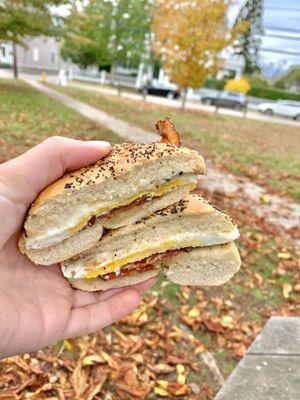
(281, 18)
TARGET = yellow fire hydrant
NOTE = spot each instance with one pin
(43, 77)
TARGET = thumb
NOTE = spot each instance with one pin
(22, 178)
(26, 175)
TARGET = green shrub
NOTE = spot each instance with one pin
(217, 84)
(272, 94)
(255, 91)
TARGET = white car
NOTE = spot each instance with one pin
(285, 108)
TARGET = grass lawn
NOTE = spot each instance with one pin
(224, 320)
(268, 153)
(27, 117)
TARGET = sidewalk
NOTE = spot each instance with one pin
(271, 368)
(190, 105)
(279, 210)
(121, 128)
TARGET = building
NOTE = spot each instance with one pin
(6, 54)
(39, 54)
(232, 67)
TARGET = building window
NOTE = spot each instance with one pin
(35, 54)
(53, 57)
(3, 51)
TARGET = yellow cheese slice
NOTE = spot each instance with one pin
(117, 264)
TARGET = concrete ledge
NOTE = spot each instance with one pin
(271, 368)
(263, 378)
(281, 335)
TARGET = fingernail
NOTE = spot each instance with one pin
(99, 143)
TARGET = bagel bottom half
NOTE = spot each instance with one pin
(200, 266)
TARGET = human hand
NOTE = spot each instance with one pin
(37, 304)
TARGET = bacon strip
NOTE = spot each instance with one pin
(127, 272)
(168, 132)
(147, 264)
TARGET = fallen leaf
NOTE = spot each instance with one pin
(194, 313)
(162, 383)
(199, 349)
(227, 321)
(177, 389)
(180, 368)
(138, 358)
(163, 368)
(96, 390)
(297, 287)
(284, 256)
(265, 199)
(160, 391)
(68, 345)
(92, 359)
(286, 289)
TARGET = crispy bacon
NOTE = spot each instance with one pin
(168, 132)
(147, 264)
(128, 271)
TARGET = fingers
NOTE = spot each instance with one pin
(88, 319)
(82, 298)
(22, 178)
(28, 174)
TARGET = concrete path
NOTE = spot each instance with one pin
(271, 368)
(278, 210)
(122, 128)
(190, 105)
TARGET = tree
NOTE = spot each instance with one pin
(189, 36)
(87, 38)
(250, 40)
(289, 80)
(107, 32)
(19, 19)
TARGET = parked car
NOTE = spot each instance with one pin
(161, 89)
(226, 99)
(285, 108)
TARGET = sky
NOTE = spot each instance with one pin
(281, 18)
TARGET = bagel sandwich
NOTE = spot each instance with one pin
(191, 242)
(131, 182)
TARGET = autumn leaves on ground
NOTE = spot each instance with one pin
(167, 347)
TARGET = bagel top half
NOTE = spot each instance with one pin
(127, 173)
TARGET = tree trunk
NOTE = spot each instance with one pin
(183, 100)
(113, 73)
(16, 74)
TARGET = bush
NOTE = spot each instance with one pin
(272, 94)
(238, 85)
(217, 84)
(255, 91)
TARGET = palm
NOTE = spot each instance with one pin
(39, 301)
(37, 305)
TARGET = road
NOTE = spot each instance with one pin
(190, 105)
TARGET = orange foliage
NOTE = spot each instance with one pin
(189, 36)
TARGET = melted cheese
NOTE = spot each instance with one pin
(115, 266)
(188, 241)
(159, 192)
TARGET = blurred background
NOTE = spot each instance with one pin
(228, 74)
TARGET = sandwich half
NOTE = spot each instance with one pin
(133, 181)
(135, 252)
